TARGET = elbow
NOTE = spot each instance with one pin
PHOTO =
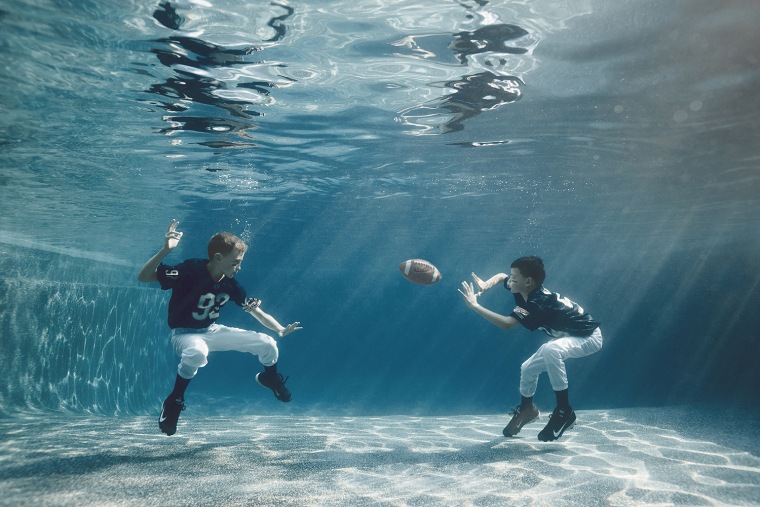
(508, 323)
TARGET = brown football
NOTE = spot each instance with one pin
(419, 271)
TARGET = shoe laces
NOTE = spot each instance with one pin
(559, 412)
(275, 380)
(282, 380)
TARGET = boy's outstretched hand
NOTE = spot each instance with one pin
(172, 237)
(468, 293)
(480, 283)
(295, 326)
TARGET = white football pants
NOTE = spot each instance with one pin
(193, 346)
(551, 356)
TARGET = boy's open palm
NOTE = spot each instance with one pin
(468, 293)
(480, 283)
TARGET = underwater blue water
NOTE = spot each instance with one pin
(617, 140)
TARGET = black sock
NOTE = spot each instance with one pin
(526, 401)
(562, 401)
(271, 370)
(180, 384)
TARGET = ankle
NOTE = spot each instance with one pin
(180, 385)
(562, 399)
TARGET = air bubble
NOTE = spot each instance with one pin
(680, 116)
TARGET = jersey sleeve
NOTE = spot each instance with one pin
(239, 295)
(169, 276)
(527, 313)
(531, 320)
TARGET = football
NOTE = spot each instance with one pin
(419, 271)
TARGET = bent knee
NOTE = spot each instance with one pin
(527, 364)
(270, 354)
(593, 345)
(196, 355)
(263, 346)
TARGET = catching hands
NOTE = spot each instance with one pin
(468, 293)
(172, 237)
(480, 283)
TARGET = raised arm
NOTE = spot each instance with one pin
(494, 280)
(253, 307)
(471, 298)
(171, 240)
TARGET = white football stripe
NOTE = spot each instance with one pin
(408, 267)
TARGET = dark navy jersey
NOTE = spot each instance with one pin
(196, 298)
(557, 316)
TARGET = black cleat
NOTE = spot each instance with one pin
(170, 411)
(559, 421)
(520, 417)
(276, 383)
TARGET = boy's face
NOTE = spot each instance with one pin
(518, 282)
(230, 263)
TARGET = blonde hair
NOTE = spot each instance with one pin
(224, 243)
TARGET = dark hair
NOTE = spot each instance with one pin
(531, 266)
(224, 243)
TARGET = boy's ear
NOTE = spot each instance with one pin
(217, 257)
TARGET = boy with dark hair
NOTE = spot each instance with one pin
(574, 334)
(200, 288)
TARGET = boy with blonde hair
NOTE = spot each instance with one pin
(200, 288)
